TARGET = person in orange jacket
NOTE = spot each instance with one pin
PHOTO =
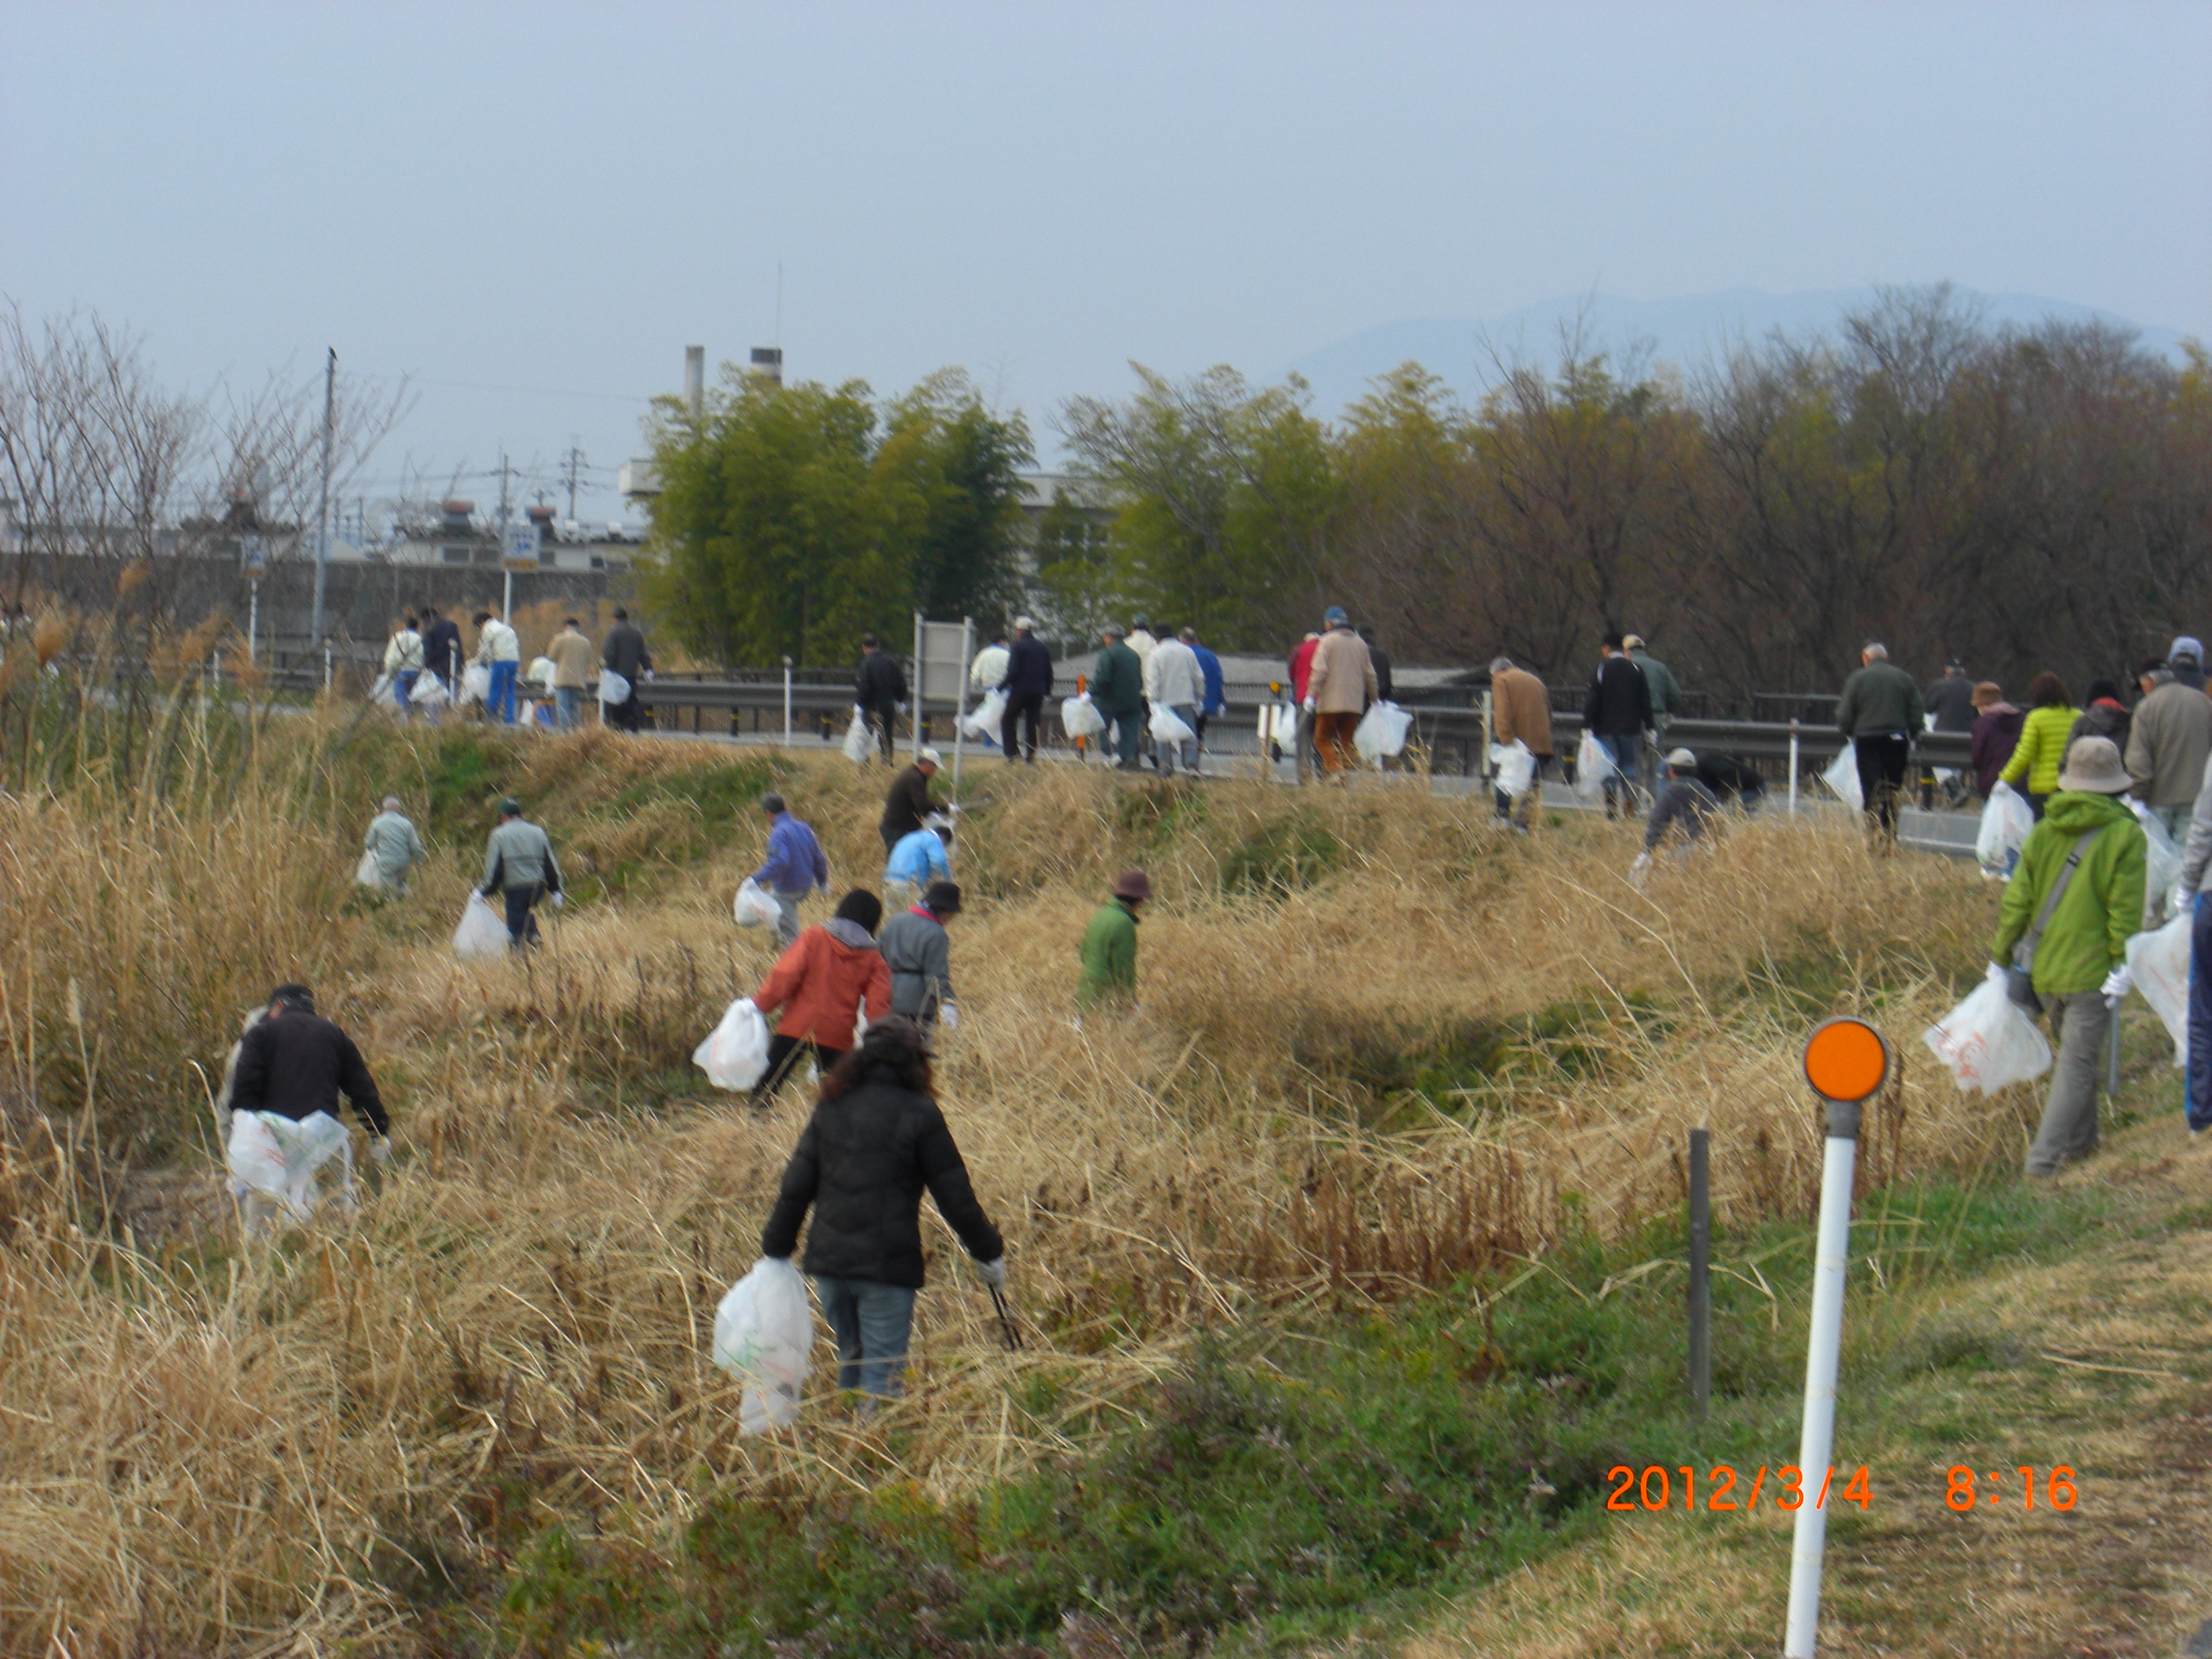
(822, 983)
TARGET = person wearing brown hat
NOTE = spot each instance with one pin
(2068, 910)
(1109, 945)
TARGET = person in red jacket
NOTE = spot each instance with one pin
(1301, 674)
(822, 983)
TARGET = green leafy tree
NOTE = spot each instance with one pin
(948, 479)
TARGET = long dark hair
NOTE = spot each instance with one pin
(892, 1050)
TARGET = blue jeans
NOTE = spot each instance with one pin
(500, 703)
(2200, 1015)
(571, 701)
(1623, 746)
(403, 687)
(871, 1322)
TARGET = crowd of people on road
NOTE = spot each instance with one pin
(425, 643)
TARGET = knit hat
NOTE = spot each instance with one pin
(1133, 884)
(1683, 761)
(2093, 766)
(2185, 646)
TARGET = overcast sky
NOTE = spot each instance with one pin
(559, 198)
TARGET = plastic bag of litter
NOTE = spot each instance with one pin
(276, 1158)
(984, 720)
(1593, 762)
(1168, 727)
(1079, 717)
(540, 671)
(735, 1052)
(1382, 731)
(429, 692)
(483, 930)
(386, 692)
(1842, 778)
(756, 906)
(1279, 726)
(2159, 961)
(368, 873)
(2005, 821)
(1988, 1041)
(1517, 768)
(612, 688)
(2161, 866)
(858, 741)
(475, 685)
(764, 1333)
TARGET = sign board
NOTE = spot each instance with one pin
(519, 546)
(944, 667)
(253, 554)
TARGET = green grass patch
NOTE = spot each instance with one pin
(1282, 856)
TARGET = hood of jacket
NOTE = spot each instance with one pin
(2075, 812)
(848, 935)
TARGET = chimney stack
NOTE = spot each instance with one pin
(695, 379)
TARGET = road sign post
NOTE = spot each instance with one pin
(1847, 1061)
(518, 545)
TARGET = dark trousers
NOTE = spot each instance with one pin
(1028, 710)
(881, 716)
(522, 921)
(1128, 733)
(1882, 759)
(2200, 1016)
(624, 716)
(783, 1055)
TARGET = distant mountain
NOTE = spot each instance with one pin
(1683, 331)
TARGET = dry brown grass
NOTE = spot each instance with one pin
(205, 1448)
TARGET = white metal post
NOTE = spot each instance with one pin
(1793, 768)
(960, 701)
(326, 669)
(1816, 1445)
(916, 690)
(787, 702)
(253, 620)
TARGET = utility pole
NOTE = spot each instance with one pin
(322, 513)
(575, 461)
(508, 595)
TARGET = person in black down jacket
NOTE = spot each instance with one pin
(294, 1063)
(878, 689)
(1618, 712)
(875, 1140)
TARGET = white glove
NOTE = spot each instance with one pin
(993, 1273)
(949, 1013)
(1642, 863)
(858, 711)
(2180, 901)
(1309, 705)
(560, 899)
(2118, 983)
(380, 1150)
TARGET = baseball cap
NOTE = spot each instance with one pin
(931, 757)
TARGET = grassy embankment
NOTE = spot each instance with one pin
(1334, 1260)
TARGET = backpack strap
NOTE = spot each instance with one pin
(2025, 952)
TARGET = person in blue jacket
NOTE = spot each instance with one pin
(794, 866)
(920, 858)
(1210, 667)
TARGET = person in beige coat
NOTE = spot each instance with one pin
(1521, 711)
(1338, 690)
(574, 660)
(2168, 741)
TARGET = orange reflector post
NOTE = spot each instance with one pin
(1845, 1059)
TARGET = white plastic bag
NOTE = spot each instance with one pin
(1842, 776)
(1079, 717)
(735, 1052)
(540, 671)
(1593, 763)
(612, 688)
(858, 741)
(2161, 866)
(1382, 731)
(1517, 768)
(764, 1333)
(475, 685)
(984, 720)
(2005, 821)
(1168, 727)
(386, 692)
(483, 930)
(756, 906)
(1279, 726)
(429, 692)
(1988, 1041)
(276, 1158)
(2159, 961)
(368, 873)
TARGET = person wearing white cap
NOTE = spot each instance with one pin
(2076, 897)
(1028, 683)
(1683, 799)
(908, 805)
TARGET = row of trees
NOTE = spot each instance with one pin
(2023, 499)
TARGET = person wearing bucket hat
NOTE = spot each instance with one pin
(1683, 799)
(2069, 908)
(1109, 945)
(915, 945)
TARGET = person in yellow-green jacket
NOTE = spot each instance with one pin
(2088, 840)
(1109, 946)
(2033, 769)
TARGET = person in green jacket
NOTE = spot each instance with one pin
(1117, 692)
(2033, 769)
(1880, 712)
(2079, 967)
(1109, 945)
